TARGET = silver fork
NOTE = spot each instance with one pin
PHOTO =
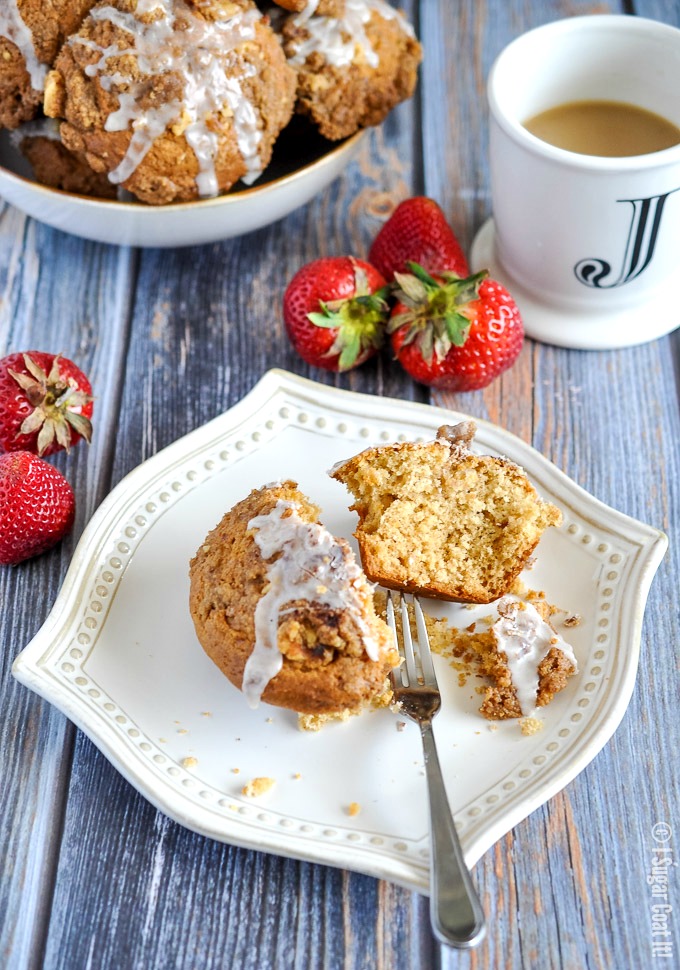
(455, 910)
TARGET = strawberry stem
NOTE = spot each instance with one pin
(57, 405)
(437, 314)
(360, 321)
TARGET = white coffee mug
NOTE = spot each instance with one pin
(589, 246)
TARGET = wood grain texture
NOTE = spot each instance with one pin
(574, 872)
(91, 875)
(60, 292)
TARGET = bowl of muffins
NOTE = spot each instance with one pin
(180, 122)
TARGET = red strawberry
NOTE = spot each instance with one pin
(454, 334)
(37, 506)
(45, 403)
(335, 312)
(417, 232)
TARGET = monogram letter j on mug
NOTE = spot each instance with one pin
(585, 180)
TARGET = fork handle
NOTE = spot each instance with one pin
(455, 910)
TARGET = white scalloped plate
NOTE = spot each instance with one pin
(119, 656)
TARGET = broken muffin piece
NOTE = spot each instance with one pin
(438, 520)
(284, 610)
(515, 649)
(524, 657)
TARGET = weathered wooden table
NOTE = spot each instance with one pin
(93, 876)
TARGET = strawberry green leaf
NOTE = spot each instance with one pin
(323, 320)
(457, 328)
(411, 290)
(438, 314)
(466, 290)
(426, 344)
(46, 435)
(55, 401)
(80, 424)
(359, 321)
(350, 353)
(422, 274)
(360, 280)
(37, 371)
(63, 434)
(33, 421)
(34, 391)
(55, 374)
(399, 320)
(382, 295)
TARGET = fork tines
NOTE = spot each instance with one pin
(417, 669)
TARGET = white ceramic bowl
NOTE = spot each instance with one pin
(303, 164)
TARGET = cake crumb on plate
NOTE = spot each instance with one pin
(530, 725)
(258, 786)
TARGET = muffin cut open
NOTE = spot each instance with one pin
(439, 520)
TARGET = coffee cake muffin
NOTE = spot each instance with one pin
(55, 166)
(353, 66)
(439, 520)
(173, 100)
(284, 610)
(176, 100)
(31, 33)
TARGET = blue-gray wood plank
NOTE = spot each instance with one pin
(90, 874)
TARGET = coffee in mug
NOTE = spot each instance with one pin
(588, 244)
(613, 129)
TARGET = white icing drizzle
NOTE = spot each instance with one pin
(308, 11)
(311, 566)
(526, 638)
(337, 466)
(338, 38)
(40, 128)
(199, 51)
(13, 27)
